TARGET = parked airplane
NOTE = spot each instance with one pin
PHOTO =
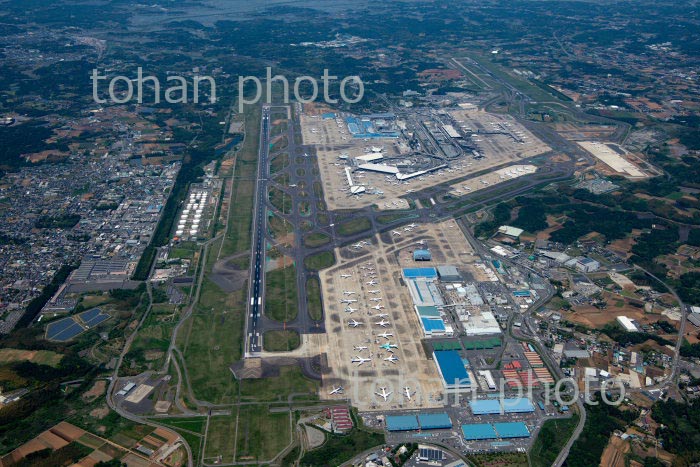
(360, 360)
(357, 246)
(395, 233)
(345, 276)
(372, 282)
(392, 359)
(407, 229)
(348, 292)
(338, 390)
(360, 348)
(351, 310)
(407, 392)
(382, 315)
(348, 300)
(385, 335)
(374, 291)
(293, 185)
(389, 347)
(383, 394)
(354, 323)
(382, 323)
(413, 226)
(420, 242)
(378, 307)
(376, 299)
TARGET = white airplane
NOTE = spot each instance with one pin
(354, 323)
(374, 291)
(382, 315)
(378, 307)
(385, 335)
(357, 246)
(345, 276)
(420, 242)
(382, 323)
(351, 310)
(293, 185)
(385, 395)
(348, 300)
(413, 226)
(395, 233)
(392, 358)
(408, 229)
(348, 292)
(360, 348)
(407, 392)
(372, 282)
(360, 360)
(338, 390)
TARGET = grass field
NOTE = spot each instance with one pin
(250, 433)
(316, 239)
(389, 218)
(510, 459)
(313, 296)
(354, 226)
(552, 437)
(279, 163)
(281, 341)
(278, 388)
(280, 200)
(211, 340)
(281, 294)
(341, 448)
(279, 227)
(40, 357)
(261, 435)
(320, 261)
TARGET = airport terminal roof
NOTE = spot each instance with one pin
(434, 421)
(401, 422)
(416, 273)
(512, 430)
(451, 368)
(477, 431)
(485, 407)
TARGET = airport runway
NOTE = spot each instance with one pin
(257, 269)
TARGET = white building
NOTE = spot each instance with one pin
(627, 324)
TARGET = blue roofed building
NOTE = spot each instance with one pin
(401, 423)
(518, 405)
(420, 273)
(422, 255)
(452, 370)
(434, 421)
(507, 430)
(478, 431)
(486, 407)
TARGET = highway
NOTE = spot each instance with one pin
(253, 343)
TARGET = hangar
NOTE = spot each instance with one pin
(452, 370)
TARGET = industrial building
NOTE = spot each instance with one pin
(498, 406)
(451, 368)
(627, 324)
(486, 431)
(583, 264)
(422, 255)
(420, 421)
(448, 274)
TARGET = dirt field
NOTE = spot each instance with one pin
(95, 391)
(614, 454)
